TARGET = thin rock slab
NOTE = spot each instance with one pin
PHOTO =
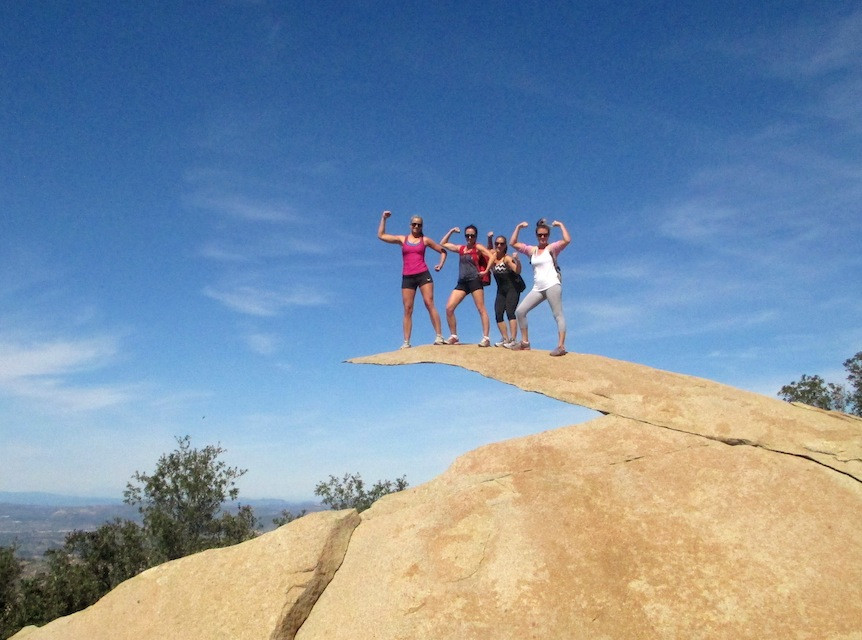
(662, 399)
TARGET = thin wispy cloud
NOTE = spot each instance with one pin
(244, 208)
(222, 252)
(20, 360)
(620, 270)
(825, 56)
(264, 344)
(822, 49)
(45, 372)
(264, 302)
(602, 315)
(698, 221)
(62, 395)
(258, 248)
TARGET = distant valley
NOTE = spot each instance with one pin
(36, 522)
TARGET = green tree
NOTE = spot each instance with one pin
(113, 553)
(350, 492)
(10, 574)
(182, 502)
(853, 366)
(815, 391)
(286, 516)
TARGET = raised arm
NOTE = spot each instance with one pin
(381, 231)
(520, 246)
(489, 255)
(566, 238)
(445, 241)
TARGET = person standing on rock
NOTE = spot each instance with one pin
(415, 273)
(547, 283)
(506, 270)
(469, 281)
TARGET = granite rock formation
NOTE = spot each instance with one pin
(690, 509)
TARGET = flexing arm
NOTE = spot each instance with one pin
(387, 237)
(445, 241)
(489, 255)
(566, 238)
(513, 241)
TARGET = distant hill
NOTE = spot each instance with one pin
(52, 499)
(35, 522)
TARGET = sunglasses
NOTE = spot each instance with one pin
(469, 235)
(541, 235)
(416, 224)
(500, 244)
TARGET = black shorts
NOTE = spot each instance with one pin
(415, 280)
(474, 284)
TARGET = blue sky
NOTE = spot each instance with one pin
(189, 196)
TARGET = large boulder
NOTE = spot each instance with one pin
(689, 510)
(263, 588)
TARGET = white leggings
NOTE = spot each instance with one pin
(554, 296)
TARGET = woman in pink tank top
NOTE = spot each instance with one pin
(415, 273)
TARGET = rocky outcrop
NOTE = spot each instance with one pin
(261, 589)
(689, 510)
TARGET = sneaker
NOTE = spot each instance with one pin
(439, 339)
(405, 345)
(453, 339)
(559, 351)
(501, 343)
(486, 342)
(511, 344)
(522, 346)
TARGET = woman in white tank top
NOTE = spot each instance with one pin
(547, 282)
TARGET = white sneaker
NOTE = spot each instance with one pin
(501, 343)
(453, 339)
(406, 345)
(510, 344)
(439, 339)
(486, 342)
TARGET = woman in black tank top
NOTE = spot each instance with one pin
(504, 269)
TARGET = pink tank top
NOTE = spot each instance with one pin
(414, 257)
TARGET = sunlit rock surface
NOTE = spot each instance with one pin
(689, 510)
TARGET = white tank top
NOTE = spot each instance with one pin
(544, 273)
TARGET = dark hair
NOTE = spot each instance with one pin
(473, 227)
(542, 224)
(503, 238)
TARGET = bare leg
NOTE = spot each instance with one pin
(455, 299)
(504, 331)
(407, 297)
(427, 291)
(479, 299)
